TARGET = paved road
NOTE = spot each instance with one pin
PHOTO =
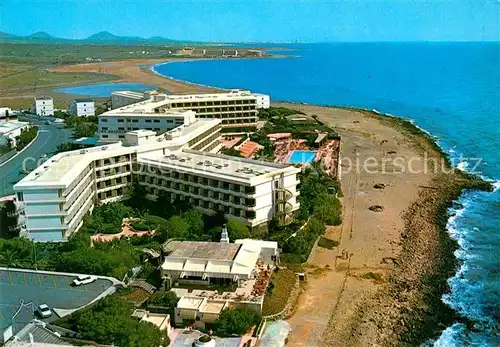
(48, 138)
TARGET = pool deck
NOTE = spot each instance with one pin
(45, 287)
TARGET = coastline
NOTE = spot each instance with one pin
(429, 315)
(408, 307)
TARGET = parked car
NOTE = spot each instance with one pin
(44, 311)
(84, 279)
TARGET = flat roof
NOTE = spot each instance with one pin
(83, 100)
(205, 250)
(128, 93)
(9, 126)
(215, 164)
(189, 303)
(213, 307)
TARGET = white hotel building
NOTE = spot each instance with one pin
(62, 190)
(158, 112)
(43, 106)
(82, 108)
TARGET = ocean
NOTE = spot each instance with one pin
(451, 90)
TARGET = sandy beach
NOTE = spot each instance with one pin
(387, 291)
(137, 71)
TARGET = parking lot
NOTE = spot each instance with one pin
(40, 288)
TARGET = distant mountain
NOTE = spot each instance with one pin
(101, 38)
(41, 35)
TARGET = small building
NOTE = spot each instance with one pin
(5, 113)
(36, 333)
(247, 264)
(10, 131)
(82, 108)
(43, 106)
(160, 320)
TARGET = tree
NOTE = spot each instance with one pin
(196, 225)
(177, 227)
(166, 299)
(316, 226)
(85, 129)
(8, 220)
(236, 321)
(298, 244)
(327, 208)
(137, 195)
(237, 229)
(16, 252)
(110, 322)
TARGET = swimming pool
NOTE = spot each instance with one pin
(301, 157)
(104, 89)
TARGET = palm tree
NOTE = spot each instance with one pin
(9, 258)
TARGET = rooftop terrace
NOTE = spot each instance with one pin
(203, 250)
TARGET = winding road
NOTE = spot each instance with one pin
(49, 137)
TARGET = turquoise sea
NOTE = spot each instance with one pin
(451, 90)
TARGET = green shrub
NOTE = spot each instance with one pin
(109, 228)
(139, 226)
(327, 243)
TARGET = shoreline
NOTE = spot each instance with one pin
(446, 265)
(420, 318)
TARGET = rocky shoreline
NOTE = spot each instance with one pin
(410, 309)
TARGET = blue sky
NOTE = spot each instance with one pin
(255, 20)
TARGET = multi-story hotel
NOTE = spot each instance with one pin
(62, 190)
(115, 123)
(235, 108)
(43, 106)
(82, 108)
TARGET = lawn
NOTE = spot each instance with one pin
(280, 289)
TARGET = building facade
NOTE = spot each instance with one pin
(115, 123)
(177, 164)
(82, 108)
(43, 106)
(235, 107)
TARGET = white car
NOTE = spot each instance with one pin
(44, 311)
(84, 279)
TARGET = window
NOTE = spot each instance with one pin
(121, 120)
(20, 196)
(104, 120)
(148, 120)
(104, 136)
(104, 129)
(121, 136)
(170, 121)
(157, 121)
(135, 121)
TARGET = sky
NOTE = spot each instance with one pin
(257, 20)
